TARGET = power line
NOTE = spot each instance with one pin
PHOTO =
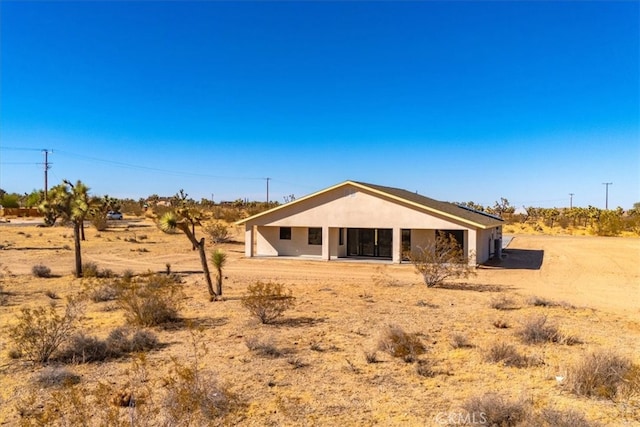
(152, 169)
(19, 148)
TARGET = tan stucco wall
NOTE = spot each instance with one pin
(352, 207)
(269, 243)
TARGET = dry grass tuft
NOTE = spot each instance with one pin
(55, 376)
(549, 417)
(41, 271)
(399, 343)
(541, 302)
(371, 356)
(507, 354)
(425, 368)
(104, 292)
(494, 410)
(503, 302)
(604, 374)
(460, 341)
(263, 347)
(536, 330)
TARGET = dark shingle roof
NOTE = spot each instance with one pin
(481, 218)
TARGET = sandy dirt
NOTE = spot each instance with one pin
(341, 310)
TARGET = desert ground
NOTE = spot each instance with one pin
(320, 374)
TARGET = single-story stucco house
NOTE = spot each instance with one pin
(358, 220)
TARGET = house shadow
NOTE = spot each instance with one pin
(517, 259)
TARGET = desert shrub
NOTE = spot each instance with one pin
(460, 341)
(609, 223)
(503, 302)
(425, 368)
(494, 410)
(550, 417)
(441, 260)
(540, 302)
(263, 347)
(39, 332)
(399, 343)
(104, 292)
(507, 354)
(124, 340)
(90, 269)
(371, 356)
(151, 300)
(120, 342)
(99, 221)
(55, 376)
(217, 232)
(267, 301)
(41, 271)
(603, 374)
(193, 395)
(82, 348)
(535, 330)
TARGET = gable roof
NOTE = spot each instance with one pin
(451, 210)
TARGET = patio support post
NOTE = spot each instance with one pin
(326, 244)
(396, 250)
(248, 237)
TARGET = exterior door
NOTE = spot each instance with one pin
(369, 242)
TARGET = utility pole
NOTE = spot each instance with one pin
(47, 166)
(571, 200)
(267, 190)
(606, 200)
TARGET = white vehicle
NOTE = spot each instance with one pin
(114, 215)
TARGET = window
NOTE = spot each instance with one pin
(315, 236)
(340, 236)
(285, 233)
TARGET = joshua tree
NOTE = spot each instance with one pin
(69, 202)
(219, 259)
(185, 219)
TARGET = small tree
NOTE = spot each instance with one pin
(69, 202)
(440, 260)
(219, 259)
(185, 219)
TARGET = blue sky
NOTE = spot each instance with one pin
(456, 100)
